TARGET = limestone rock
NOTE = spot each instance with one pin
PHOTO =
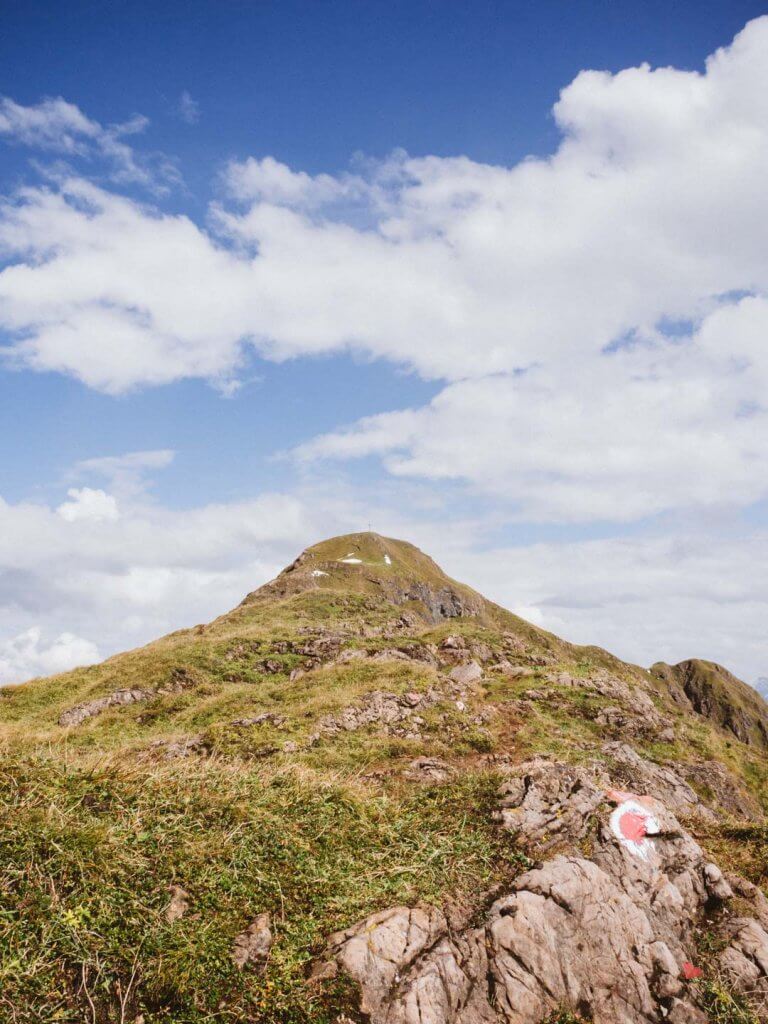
(378, 708)
(745, 960)
(643, 776)
(171, 749)
(466, 675)
(544, 802)
(82, 712)
(254, 944)
(610, 935)
(178, 906)
(428, 769)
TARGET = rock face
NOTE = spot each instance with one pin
(714, 692)
(643, 776)
(609, 932)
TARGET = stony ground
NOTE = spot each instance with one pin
(369, 794)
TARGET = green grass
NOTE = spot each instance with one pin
(87, 855)
(724, 1006)
(95, 825)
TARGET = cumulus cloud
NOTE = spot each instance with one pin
(650, 427)
(597, 316)
(87, 503)
(25, 655)
(52, 124)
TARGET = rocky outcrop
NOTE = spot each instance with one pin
(397, 714)
(744, 961)
(429, 770)
(609, 932)
(644, 776)
(82, 712)
(179, 679)
(545, 802)
(439, 602)
(715, 693)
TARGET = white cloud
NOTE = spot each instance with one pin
(56, 126)
(189, 108)
(511, 283)
(87, 503)
(127, 474)
(52, 124)
(25, 656)
(652, 427)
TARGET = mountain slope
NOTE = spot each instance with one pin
(714, 692)
(183, 826)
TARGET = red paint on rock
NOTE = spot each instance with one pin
(690, 972)
(632, 826)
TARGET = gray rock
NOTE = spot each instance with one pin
(82, 712)
(254, 944)
(604, 935)
(467, 674)
(267, 718)
(388, 710)
(643, 776)
(544, 802)
(745, 960)
(428, 769)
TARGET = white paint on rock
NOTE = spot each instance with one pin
(632, 823)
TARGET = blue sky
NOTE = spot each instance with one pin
(293, 268)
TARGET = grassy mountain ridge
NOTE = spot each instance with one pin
(714, 692)
(285, 759)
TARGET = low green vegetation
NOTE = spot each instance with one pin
(316, 827)
(88, 852)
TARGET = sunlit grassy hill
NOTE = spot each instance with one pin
(277, 761)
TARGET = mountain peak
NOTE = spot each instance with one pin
(370, 553)
(388, 573)
(361, 737)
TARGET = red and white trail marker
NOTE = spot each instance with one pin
(632, 822)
